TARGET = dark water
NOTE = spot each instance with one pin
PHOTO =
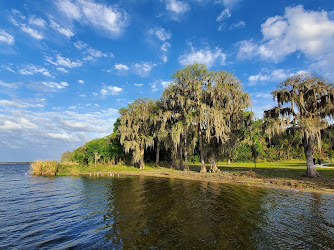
(139, 212)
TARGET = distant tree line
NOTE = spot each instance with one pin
(204, 116)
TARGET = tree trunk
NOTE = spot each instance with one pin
(186, 167)
(180, 156)
(174, 165)
(203, 168)
(142, 165)
(254, 162)
(157, 153)
(310, 171)
(213, 162)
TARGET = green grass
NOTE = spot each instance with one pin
(292, 169)
(75, 169)
(278, 174)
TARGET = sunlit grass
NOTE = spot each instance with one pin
(47, 167)
(75, 169)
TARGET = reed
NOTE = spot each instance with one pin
(46, 168)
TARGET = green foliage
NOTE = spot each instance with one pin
(202, 116)
(66, 157)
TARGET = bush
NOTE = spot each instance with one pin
(47, 167)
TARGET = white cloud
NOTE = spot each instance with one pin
(160, 33)
(206, 56)
(9, 68)
(63, 61)
(13, 85)
(237, 25)
(107, 18)
(144, 68)
(55, 86)
(39, 22)
(177, 7)
(20, 123)
(6, 38)
(90, 53)
(81, 81)
(138, 84)
(49, 134)
(165, 83)
(7, 103)
(37, 103)
(309, 32)
(165, 46)
(95, 53)
(80, 45)
(276, 75)
(62, 70)
(225, 14)
(156, 84)
(110, 90)
(121, 67)
(59, 136)
(163, 36)
(229, 3)
(32, 70)
(64, 31)
(33, 33)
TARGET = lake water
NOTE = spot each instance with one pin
(142, 212)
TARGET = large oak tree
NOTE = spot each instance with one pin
(305, 103)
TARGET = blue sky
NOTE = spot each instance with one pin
(67, 66)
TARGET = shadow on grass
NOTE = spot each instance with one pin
(292, 171)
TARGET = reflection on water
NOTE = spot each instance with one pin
(142, 212)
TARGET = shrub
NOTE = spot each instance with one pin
(47, 167)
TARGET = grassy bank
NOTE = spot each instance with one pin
(287, 174)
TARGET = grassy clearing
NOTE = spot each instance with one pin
(46, 168)
(286, 174)
(75, 169)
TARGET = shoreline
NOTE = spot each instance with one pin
(247, 178)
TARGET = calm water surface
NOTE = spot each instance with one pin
(141, 212)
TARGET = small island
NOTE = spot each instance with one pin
(202, 120)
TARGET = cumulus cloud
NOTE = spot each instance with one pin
(36, 21)
(177, 7)
(110, 90)
(160, 33)
(55, 86)
(49, 134)
(205, 55)
(63, 61)
(81, 81)
(299, 30)
(64, 31)
(144, 68)
(80, 45)
(159, 83)
(107, 18)
(163, 36)
(32, 32)
(89, 52)
(138, 84)
(121, 67)
(6, 38)
(271, 76)
(32, 70)
(62, 70)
